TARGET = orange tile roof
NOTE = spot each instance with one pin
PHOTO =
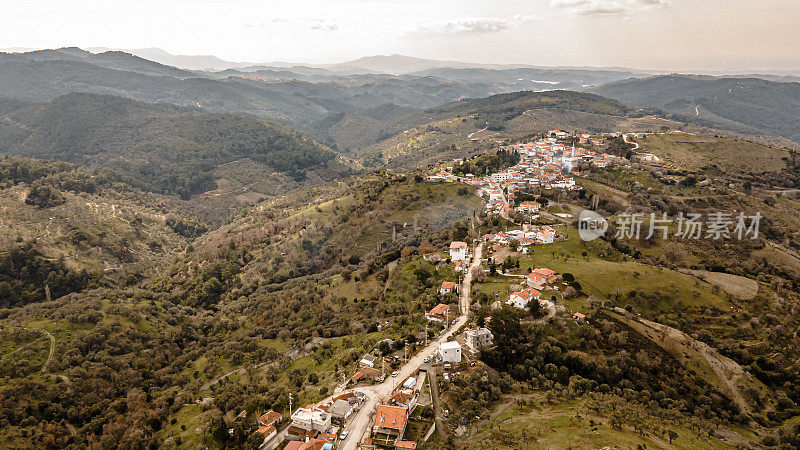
(441, 308)
(405, 444)
(266, 431)
(448, 284)
(270, 417)
(392, 417)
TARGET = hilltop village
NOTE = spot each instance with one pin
(377, 406)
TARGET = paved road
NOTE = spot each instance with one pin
(379, 393)
(636, 145)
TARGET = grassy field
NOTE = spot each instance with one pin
(570, 425)
(613, 278)
(695, 152)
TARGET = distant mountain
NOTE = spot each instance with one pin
(44, 75)
(394, 64)
(527, 78)
(752, 104)
(171, 150)
(188, 62)
(111, 60)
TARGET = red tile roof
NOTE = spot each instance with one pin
(440, 309)
(391, 417)
(266, 431)
(269, 418)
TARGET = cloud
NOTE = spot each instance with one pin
(309, 24)
(608, 7)
(320, 24)
(469, 25)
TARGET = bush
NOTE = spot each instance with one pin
(44, 196)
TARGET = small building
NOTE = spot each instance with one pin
(341, 409)
(390, 424)
(458, 250)
(268, 432)
(540, 277)
(368, 360)
(450, 352)
(367, 373)
(405, 445)
(478, 337)
(270, 418)
(522, 298)
(312, 418)
(447, 287)
(579, 317)
(439, 313)
(545, 237)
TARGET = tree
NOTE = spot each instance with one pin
(671, 434)
(536, 310)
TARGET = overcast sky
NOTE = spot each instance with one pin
(645, 34)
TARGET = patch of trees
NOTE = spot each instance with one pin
(26, 276)
(616, 361)
(617, 146)
(44, 196)
(488, 163)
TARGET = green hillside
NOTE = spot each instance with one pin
(749, 104)
(167, 149)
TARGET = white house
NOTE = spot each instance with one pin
(447, 287)
(439, 313)
(368, 360)
(312, 418)
(458, 250)
(478, 337)
(450, 352)
(522, 298)
(545, 237)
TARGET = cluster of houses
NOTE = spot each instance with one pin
(521, 239)
(546, 163)
(536, 281)
(314, 427)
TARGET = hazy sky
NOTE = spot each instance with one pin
(647, 34)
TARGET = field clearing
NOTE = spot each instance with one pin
(665, 289)
(738, 286)
(569, 425)
(695, 152)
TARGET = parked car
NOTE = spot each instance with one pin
(454, 322)
(343, 435)
(426, 360)
(394, 374)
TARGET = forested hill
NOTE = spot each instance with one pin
(172, 150)
(768, 106)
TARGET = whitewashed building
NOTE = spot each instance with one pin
(450, 352)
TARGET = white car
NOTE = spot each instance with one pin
(343, 435)
(426, 360)
(394, 374)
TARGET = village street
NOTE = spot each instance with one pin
(361, 423)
